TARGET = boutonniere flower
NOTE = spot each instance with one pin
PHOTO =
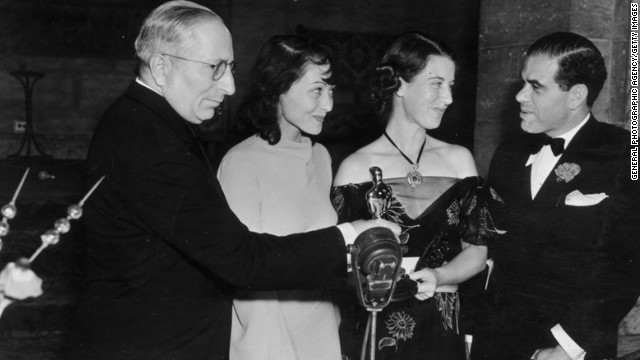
(567, 171)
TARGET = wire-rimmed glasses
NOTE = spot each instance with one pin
(218, 69)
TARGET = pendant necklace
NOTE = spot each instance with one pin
(414, 177)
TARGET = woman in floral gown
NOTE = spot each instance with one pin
(438, 200)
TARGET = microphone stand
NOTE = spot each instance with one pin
(370, 332)
(376, 258)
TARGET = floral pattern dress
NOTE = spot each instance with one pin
(436, 216)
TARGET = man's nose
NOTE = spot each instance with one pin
(523, 95)
(226, 83)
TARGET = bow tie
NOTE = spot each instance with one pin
(557, 145)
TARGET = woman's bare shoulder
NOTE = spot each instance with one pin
(458, 157)
(355, 167)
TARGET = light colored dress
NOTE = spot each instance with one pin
(281, 189)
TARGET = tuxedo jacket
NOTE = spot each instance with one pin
(163, 249)
(577, 266)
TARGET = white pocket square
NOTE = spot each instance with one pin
(576, 198)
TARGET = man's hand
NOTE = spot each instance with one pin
(362, 225)
(428, 280)
(554, 353)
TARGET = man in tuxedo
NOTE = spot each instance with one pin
(568, 268)
(163, 248)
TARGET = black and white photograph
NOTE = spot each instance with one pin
(319, 180)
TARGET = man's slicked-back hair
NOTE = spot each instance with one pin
(163, 29)
(579, 61)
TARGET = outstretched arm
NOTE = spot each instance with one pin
(468, 263)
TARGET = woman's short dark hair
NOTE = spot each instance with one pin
(407, 56)
(579, 61)
(280, 63)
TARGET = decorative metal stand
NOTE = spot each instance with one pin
(28, 80)
(17, 280)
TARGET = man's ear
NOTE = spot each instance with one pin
(578, 96)
(158, 67)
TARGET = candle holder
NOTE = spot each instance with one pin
(62, 225)
(28, 80)
(10, 210)
(17, 280)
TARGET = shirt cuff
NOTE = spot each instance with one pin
(572, 349)
(349, 234)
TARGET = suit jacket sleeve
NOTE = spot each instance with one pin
(158, 189)
(623, 223)
(593, 250)
(609, 300)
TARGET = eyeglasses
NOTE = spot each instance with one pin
(218, 69)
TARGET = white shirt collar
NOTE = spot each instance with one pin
(567, 136)
(139, 81)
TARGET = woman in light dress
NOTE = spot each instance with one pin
(278, 181)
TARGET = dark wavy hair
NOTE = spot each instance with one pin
(280, 62)
(579, 61)
(407, 56)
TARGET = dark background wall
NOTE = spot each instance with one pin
(507, 28)
(85, 50)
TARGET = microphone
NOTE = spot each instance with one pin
(376, 257)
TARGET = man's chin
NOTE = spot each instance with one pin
(207, 116)
(528, 127)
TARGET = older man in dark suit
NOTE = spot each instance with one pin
(568, 269)
(163, 248)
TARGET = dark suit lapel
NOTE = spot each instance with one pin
(515, 175)
(525, 174)
(554, 189)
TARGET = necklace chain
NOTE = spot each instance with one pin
(417, 163)
(414, 177)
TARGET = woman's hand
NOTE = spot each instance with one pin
(428, 280)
